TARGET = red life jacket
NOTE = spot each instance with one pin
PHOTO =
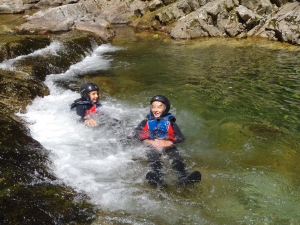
(159, 128)
(91, 110)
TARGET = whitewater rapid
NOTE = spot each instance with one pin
(100, 161)
(92, 160)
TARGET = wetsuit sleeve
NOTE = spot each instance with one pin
(80, 110)
(178, 135)
(138, 131)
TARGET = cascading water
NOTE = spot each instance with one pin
(51, 49)
(95, 160)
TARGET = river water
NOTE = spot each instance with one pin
(236, 101)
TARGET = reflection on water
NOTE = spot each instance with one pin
(237, 103)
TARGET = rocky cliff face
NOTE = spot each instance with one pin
(272, 19)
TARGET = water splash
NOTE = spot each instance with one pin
(51, 49)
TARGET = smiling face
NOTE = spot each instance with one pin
(157, 109)
(94, 96)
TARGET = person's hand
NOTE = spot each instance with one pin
(90, 122)
(158, 143)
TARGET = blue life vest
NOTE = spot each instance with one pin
(89, 106)
(159, 128)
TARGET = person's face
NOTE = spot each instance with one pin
(94, 96)
(157, 108)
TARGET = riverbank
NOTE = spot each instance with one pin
(180, 19)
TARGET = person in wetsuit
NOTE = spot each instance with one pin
(160, 133)
(87, 104)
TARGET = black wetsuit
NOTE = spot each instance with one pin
(84, 107)
(153, 128)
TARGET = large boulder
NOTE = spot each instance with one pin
(11, 6)
(119, 11)
(261, 18)
(286, 23)
(261, 7)
(211, 20)
(66, 18)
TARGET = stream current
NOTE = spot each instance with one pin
(236, 101)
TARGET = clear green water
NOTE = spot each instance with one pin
(237, 102)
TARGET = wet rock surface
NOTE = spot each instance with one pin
(29, 193)
(273, 19)
(18, 89)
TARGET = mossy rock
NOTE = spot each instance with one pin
(17, 89)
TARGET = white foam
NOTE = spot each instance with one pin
(95, 62)
(93, 160)
(51, 50)
(89, 159)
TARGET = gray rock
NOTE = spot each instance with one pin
(204, 21)
(188, 6)
(245, 13)
(261, 7)
(155, 4)
(99, 26)
(273, 19)
(212, 31)
(213, 8)
(245, 19)
(11, 6)
(164, 17)
(281, 2)
(288, 25)
(231, 26)
(65, 25)
(285, 25)
(65, 18)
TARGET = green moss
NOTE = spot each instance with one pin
(12, 46)
(27, 194)
(44, 204)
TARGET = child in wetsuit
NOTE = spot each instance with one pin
(160, 132)
(87, 104)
